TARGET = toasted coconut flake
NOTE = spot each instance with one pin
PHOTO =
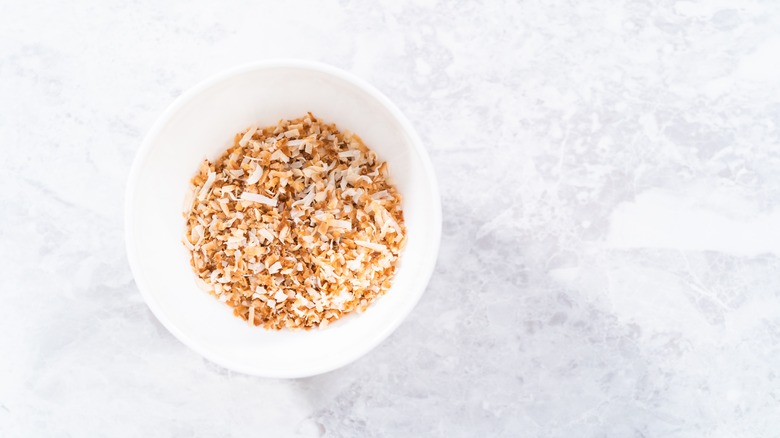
(340, 224)
(186, 241)
(273, 269)
(248, 135)
(384, 194)
(256, 197)
(204, 191)
(267, 235)
(309, 198)
(251, 317)
(283, 233)
(371, 245)
(280, 296)
(278, 155)
(350, 154)
(254, 177)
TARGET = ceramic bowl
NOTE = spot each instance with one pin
(201, 124)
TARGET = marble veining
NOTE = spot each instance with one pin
(610, 176)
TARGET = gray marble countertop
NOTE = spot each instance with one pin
(610, 259)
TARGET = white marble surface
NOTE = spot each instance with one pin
(610, 262)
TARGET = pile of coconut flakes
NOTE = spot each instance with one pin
(295, 225)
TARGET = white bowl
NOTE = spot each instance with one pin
(201, 123)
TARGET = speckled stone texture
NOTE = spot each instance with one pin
(610, 260)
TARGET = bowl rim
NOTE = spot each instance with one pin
(146, 146)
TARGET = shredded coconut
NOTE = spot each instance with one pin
(323, 246)
(254, 177)
(256, 197)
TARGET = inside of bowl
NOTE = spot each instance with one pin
(201, 125)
